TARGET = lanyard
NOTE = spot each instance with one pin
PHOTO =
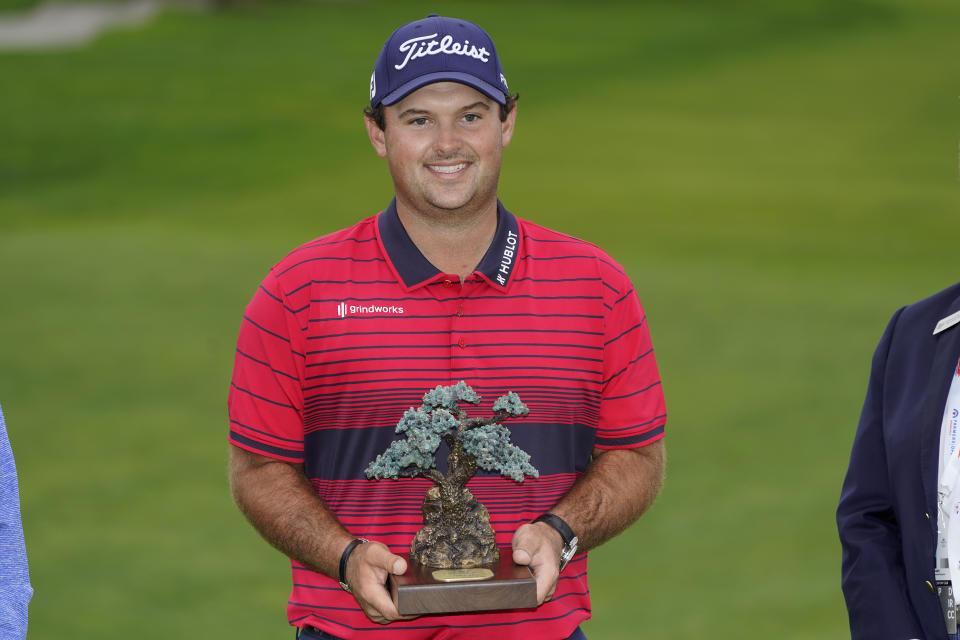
(947, 562)
(949, 456)
(950, 437)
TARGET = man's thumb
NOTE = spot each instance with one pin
(520, 556)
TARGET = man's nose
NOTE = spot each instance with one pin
(448, 139)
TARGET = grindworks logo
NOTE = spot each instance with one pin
(344, 310)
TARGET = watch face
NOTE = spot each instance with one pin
(567, 553)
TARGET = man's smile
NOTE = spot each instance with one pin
(448, 168)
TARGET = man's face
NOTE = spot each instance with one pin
(443, 144)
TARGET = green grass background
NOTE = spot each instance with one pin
(777, 178)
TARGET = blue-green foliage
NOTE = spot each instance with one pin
(408, 457)
(412, 419)
(442, 421)
(511, 404)
(449, 397)
(402, 458)
(438, 421)
(426, 425)
(490, 445)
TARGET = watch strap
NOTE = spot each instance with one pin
(560, 525)
(343, 561)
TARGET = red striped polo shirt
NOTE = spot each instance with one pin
(349, 331)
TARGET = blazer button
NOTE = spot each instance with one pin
(930, 586)
(926, 515)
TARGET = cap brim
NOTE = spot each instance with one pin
(494, 93)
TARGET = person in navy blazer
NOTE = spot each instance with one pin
(887, 511)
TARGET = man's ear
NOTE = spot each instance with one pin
(506, 127)
(377, 137)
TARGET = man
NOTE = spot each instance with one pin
(901, 547)
(15, 589)
(445, 284)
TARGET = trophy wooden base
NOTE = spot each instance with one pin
(422, 590)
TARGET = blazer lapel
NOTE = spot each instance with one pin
(947, 350)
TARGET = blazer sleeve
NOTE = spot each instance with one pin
(873, 574)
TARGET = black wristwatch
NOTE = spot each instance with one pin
(570, 541)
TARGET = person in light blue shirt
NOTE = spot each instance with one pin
(15, 589)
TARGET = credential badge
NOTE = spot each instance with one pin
(947, 322)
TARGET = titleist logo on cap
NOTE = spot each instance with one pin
(436, 49)
(419, 48)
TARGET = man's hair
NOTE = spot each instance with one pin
(376, 113)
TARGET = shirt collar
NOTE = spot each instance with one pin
(415, 270)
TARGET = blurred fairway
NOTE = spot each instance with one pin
(777, 178)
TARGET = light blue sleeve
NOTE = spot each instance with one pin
(15, 589)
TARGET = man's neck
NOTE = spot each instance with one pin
(453, 241)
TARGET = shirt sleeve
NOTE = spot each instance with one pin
(15, 589)
(266, 393)
(632, 411)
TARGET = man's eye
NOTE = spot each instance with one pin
(471, 117)
(419, 121)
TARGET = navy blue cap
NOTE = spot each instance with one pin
(437, 49)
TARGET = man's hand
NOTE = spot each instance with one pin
(539, 545)
(617, 487)
(279, 501)
(367, 570)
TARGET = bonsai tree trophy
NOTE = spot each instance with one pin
(457, 537)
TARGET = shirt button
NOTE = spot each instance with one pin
(460, 310)
(930, 586)
(462, 343)
(448, 283)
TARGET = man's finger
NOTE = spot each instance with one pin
(520, 556)
(546, 582)
(368, 581)
(382, 605)
(531, 547)
(524, 545)
(379, 555)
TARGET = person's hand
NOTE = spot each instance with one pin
(538, 545)
(367, 570)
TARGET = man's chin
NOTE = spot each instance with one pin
(450, 202)
(452, 207)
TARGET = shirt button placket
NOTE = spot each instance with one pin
(458, 340)
(462, 341)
